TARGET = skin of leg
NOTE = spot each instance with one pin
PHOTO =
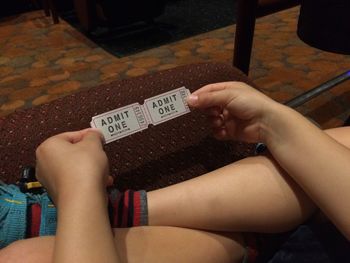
(251, 195)
(342, 135)
(144, 244)
(141, 243)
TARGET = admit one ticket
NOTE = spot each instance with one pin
(122, 122)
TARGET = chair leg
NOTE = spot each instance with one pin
(46, 7)
(36, 4)
(52, 6)
(246, 10)
(314, 92)
(86, 12)
(347, 122)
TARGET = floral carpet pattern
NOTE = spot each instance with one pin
(40, 61)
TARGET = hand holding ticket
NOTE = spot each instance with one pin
(133, 118)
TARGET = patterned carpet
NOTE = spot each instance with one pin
(40, 62)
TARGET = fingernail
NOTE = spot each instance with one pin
(94, 130)
(103, 140)
(192, 99)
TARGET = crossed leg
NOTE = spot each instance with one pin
(144, 244)
(251, 195)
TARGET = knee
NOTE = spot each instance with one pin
(11, 254)
(22, 251)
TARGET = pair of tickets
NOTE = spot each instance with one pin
(124, 121)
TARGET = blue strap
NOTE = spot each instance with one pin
(48, 222)
(13, 214)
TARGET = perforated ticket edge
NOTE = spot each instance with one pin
(183, 97)
(145, 112)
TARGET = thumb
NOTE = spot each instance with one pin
(75, 136)
(219, 98)
(94, 137)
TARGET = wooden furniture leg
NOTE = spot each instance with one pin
(46, 7)
(52, 6)
(246, 10)
(86, 12)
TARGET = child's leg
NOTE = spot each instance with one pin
(342, 135)
(253, 194)
(144, 244)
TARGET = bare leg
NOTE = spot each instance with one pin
(342, 135)
(144, 244)
(253, 194)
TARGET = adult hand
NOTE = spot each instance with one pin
(235, 110)
(72, 162)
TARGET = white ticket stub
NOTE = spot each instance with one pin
(122, 122)
(167, 106)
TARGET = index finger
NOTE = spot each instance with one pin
(219, 86)
(212, 87)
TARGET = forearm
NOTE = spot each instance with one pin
(319, 164)
(84, 233)
(250, 195)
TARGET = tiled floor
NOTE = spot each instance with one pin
(40, 62)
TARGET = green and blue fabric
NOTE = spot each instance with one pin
(14, 207)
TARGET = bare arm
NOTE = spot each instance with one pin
(318, 163)
(84, 233)
(73, 168)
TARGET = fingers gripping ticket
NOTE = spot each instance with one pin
(133, 118)
(213, 95)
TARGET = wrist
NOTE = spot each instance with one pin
(83, 194)
(273, 123)
(284, 127)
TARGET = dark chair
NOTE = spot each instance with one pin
(161, 155)
(333, 18)
(247, 12)
(158, 156)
